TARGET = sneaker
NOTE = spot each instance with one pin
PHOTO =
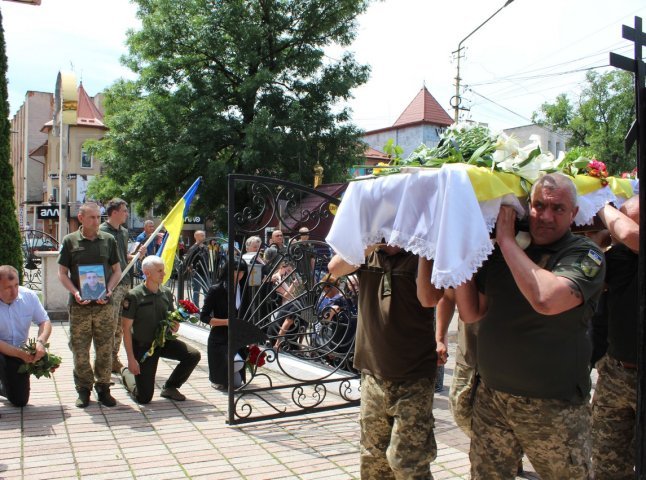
(84, 398)
(219, 386)
(173, 394)
(105, 398)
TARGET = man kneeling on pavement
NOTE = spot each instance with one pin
(19, 307)
(143, 308)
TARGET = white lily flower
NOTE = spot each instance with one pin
(546, 161)
(507, 148)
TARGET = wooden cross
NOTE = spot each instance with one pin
(637, 134)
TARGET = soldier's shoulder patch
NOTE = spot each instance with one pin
(595, 256)
(591, 263)
(125, 304)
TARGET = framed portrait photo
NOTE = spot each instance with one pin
(92, 282)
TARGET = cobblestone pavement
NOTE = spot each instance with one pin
(52, 439)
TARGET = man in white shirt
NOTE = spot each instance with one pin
(19, 307)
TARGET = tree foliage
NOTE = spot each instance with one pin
(10, 252)
(599, 120)
(232, 86)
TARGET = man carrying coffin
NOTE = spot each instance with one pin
(533, 348)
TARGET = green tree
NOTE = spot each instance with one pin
(600, 119)
(10, 253)
(558, 114)
(232, 86)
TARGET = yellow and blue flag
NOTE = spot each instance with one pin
(174, 222)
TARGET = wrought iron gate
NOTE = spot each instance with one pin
(291, 342)
(33, 241)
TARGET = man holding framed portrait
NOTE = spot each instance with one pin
(89, 268)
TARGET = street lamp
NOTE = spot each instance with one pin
(457, 99)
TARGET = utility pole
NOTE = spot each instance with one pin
(456, 100)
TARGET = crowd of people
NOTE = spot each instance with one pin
(522, 380)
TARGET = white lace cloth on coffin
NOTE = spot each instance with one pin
(590, 203)
(430, 212)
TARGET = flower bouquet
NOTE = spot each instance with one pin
(187, 312)
(43, 367)
(476, 145)
(255, 359)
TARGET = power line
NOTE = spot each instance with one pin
(535, 77)
(501, 106)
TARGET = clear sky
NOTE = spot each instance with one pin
(518, 60)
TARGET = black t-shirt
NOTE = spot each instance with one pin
(623, 303)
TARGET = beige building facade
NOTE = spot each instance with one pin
(28, 154)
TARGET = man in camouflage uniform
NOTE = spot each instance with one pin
(117, 215)
(464, 372)
(614, 406)
(90, 320)
(395, 352)
(533, 347)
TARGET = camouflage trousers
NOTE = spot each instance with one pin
(614, 414)
(91, 323)
(460, 396)
(555, 436)
(397, 439)
(118, 295)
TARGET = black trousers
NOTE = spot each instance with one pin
(188, 358)
(218, 353)
(14, 386)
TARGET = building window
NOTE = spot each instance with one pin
(549, 147)
(86, 159)
(558, 147)
(54, 197)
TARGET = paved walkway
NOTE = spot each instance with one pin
(52, 439)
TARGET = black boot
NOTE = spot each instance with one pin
(103, 391)
(84, 397)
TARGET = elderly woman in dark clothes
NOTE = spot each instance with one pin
(215, 313)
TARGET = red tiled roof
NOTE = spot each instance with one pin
(375, 154)
(87, 114)
(424, 109)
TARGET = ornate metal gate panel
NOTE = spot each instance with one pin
(33, 241)
(291, 343)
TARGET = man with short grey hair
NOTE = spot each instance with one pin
(533, 345)
(144, 307)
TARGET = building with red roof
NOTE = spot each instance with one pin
(422, 121)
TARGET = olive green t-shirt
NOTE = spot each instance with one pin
(146, 309)
(77, 250)
(121, 236)
(525, 353)
(395, 334)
